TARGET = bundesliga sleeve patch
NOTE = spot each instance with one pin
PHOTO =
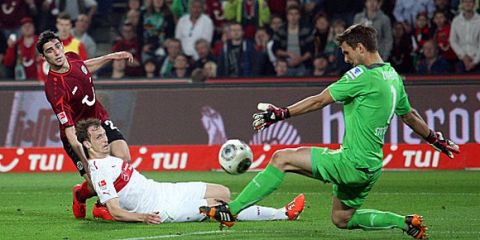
(355, 72)
(102, 184)
(62, 117)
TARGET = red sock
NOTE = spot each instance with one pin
(85, 192)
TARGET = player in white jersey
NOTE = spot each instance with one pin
(131, 197)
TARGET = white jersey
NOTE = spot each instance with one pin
(135, 196)
(175, 202)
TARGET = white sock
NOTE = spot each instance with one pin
(259, 213)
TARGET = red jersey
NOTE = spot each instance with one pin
(27, 54)
(72, 95)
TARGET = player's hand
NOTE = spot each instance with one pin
(270, 114)
(151, 218)
(442, 144)
(121, 55)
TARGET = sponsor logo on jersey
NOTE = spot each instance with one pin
(62, 117)
(355, 72)
(84, 69)
(102, 184)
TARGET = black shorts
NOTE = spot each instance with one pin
(112, 133)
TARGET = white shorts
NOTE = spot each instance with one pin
(179, 202)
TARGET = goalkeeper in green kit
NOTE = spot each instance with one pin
(371, 93)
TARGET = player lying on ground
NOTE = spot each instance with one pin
(131, 197)
(70, 91)
(371, 93)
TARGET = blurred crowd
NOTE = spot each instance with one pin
(202, 39)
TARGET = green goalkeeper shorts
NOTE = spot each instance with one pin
(350, 185)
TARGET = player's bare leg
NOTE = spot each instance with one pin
(119, 148)
(218, 192)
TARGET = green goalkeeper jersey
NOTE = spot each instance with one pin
(371, 95)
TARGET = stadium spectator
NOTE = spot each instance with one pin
(320, 66)
(251, 14)
(174, 48)
(465, 37)
(214, 9)
(320, 38)
(294, 41)
(442, 35)
(118, 69)
(194, 26)
(432, 62)
(237, 58)
(143, 200)
(22, 53)
(181, 68)
(401, 56)
(264, 55)
(202, 47)
(406, 11)
(128, 41)
(281, 67)
(445, 7)
(150, 68)
(70, 43)
(276, 23)
(210, 70)
(334, 53)
(373, 16)
(75, 8)
(12, 11)
(198, 75)
(80, 32)
(224, 37)
(421, 32)
(158, 25)
(133, 15)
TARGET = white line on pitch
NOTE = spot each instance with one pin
(177, 235)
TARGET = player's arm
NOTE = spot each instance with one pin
(272, 114)
(436, 139)
(77, 147)
(120, 214)
(94, 64)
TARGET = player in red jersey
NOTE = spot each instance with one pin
(70, 91)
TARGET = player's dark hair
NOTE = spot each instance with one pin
(358, 33)
(64, 16)
(82, 128)
(45, 37)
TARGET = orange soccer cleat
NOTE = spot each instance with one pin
(101, 211)
(295, 207)
(78, 208)
(416, 229)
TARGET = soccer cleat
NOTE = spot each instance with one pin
(220, 213)
(78, 208)
(101, 211)
(416, 229)
(295, 207)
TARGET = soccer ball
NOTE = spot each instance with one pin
(235, 156)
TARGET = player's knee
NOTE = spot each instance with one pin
(225, 193)
(280, 159)
(339, 222)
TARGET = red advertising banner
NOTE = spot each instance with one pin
(204, 158)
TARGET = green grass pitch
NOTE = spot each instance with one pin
(38, 206)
